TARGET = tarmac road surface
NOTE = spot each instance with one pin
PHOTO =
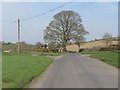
(77, 71)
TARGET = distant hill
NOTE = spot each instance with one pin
(97, 43)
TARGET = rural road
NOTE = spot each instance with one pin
(77, 71)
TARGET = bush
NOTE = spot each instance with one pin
(109, 48)
(103, 49)
(81, 50)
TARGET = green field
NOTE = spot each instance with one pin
(52, 53)
(18, 70)
(0, 70)
(109, 57)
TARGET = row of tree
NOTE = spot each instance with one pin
(52, 47)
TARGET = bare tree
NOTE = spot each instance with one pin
(107, 39)
(64, 27)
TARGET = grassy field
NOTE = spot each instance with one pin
(0, 70)
(109, 57)
(18, 70)
(51, 53)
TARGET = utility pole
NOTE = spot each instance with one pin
(18, 35)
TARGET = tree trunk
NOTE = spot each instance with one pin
(79, 47)
(64, 47)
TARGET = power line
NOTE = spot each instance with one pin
(47, 11)
(9, 21)
(25, 19)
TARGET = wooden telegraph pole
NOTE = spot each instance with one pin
(18, 35)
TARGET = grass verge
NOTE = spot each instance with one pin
(18, 70)
(109, 57)
(0, 70)
(52, 53)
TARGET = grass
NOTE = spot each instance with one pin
(109, 57)
(18, 70)
(0, 70)
(51, 53)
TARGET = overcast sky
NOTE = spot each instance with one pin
(98, 18)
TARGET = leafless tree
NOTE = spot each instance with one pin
(107, 39)
(65, 26)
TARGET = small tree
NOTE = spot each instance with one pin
(107, 39)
